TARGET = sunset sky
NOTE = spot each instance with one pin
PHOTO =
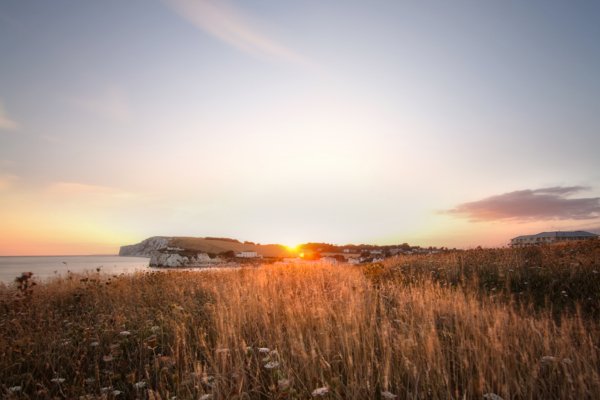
(444, 123)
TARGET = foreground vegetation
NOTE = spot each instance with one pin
(520, 324)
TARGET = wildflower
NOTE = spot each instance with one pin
(90, 380)
(206, 397)
(15, 389)
(263, 350)
(492, 396)
(388, 395)
(106, 389)
(57, 380)
(95, 344)
(139, 385)
(155, 329)
(116, 392)
(322, 391)
(124, 333)
(272, 365)
(283, 384)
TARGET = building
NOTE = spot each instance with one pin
(550, 237)
(247, 254)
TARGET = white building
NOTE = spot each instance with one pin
(248, 254)
(550, 237)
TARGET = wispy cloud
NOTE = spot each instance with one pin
(551, 203)
(6, 122)
(111, 103)
(7, 180)
(50, 138)
(229, 24)
(84, 189)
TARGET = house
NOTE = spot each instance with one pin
(550, 237)
(248, 254)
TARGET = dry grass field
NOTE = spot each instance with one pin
(514, 323)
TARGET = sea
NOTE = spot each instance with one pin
(45, 268)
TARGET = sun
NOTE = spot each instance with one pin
(292, 247)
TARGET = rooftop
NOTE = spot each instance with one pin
(559, 234)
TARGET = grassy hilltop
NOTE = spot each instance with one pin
(517, 323)
(217, 246)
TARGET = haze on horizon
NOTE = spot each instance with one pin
(438, 123)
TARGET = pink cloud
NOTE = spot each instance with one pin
(551, 203)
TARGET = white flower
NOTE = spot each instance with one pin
(155, 329)
(116, 392)
(206, 397)
(322, 391)
(15, 389)
(106, 389)
(95, 344)
(57, 380)
(139, 385)
(271, 365)
(263, 350)
(124, 333)
(388, 395)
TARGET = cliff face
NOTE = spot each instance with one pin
(145, 248)
(171, 259)
(163, 255)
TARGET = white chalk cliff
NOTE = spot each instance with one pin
(161, 255)
(173, 259)
(145, 248)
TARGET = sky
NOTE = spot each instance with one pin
(436, 123)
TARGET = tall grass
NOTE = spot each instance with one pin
(282, 332)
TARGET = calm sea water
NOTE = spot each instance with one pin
(44, 268)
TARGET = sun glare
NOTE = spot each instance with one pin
(292, 248)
